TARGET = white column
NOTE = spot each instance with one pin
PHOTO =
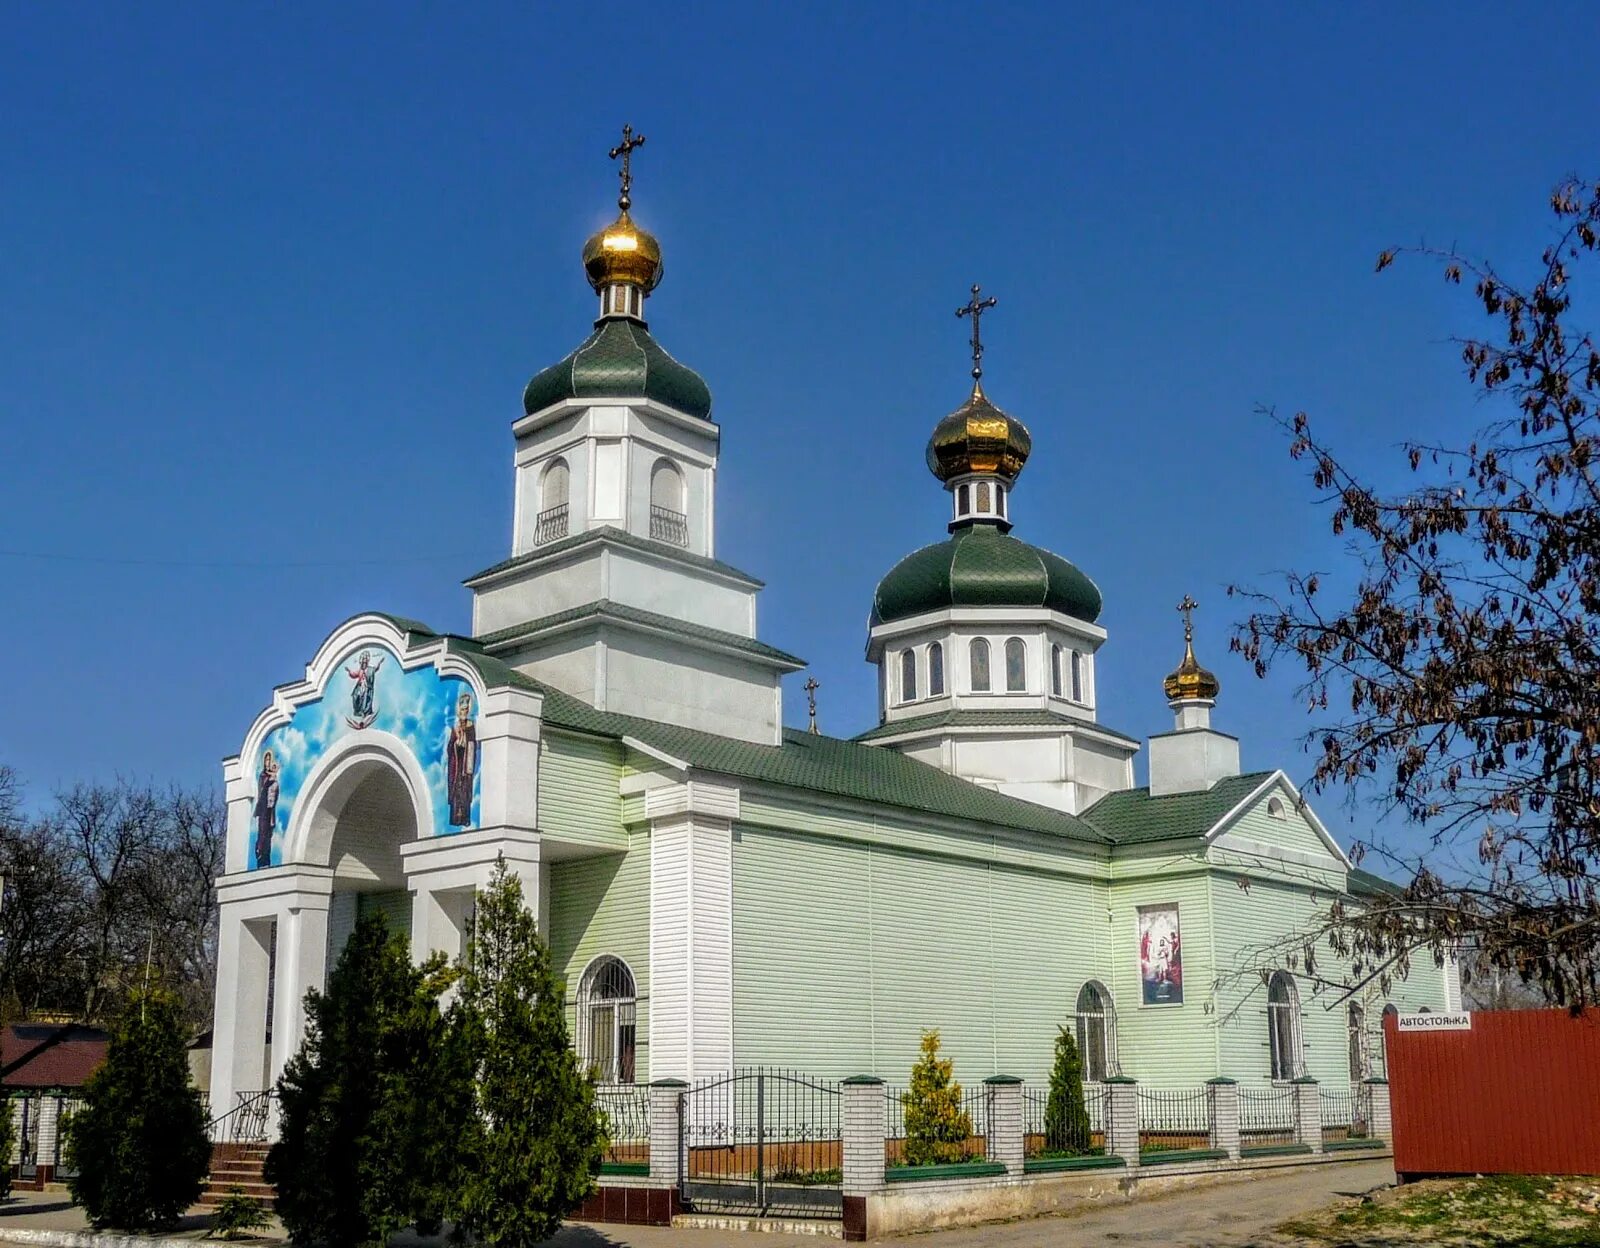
(445, 872)
(239, 1029)
(302, 966)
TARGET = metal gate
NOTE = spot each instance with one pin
(761, 1142)
(28, 1135)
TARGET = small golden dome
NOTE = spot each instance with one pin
(622, 252)
(1190, 680)
(978, 437)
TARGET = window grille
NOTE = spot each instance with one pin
(607, 1026)
(1283, 1027)
(1097, 1032)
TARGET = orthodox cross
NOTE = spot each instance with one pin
(811, 686)
(975, 308)
(1187, 607)
(624, 149)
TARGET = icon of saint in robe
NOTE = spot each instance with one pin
(461, 762)
(266, 810)
(363, 691)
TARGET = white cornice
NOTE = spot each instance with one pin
(566, 407)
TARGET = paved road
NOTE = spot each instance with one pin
(1231, 1215)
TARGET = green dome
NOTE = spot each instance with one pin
(620, 360)
(979, 566)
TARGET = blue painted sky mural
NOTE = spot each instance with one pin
(420, 707)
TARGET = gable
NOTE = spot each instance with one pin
(1275, 823)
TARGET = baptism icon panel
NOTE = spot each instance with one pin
(432, 715)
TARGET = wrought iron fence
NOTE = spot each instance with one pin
(60, 1158)
(1064, 1137)
(764, 1140)
(25, 1110)
(669, 525)
(626, 1107)
(550, 524)
(899, 1150)
(1345, 1113)
(1266, 1117)
(1174, 1120)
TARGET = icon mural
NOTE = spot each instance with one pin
(432, 715)
(461, 767)
(1160, 955)
(363, 696)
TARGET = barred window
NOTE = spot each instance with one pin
(1283, 1027)
(1356, 1025)
(607, 1011)
(1097, 1032)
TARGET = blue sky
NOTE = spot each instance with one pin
(273, 277)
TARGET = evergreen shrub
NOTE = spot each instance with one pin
(1067, 1131)
(937, 1126)
(138, 1141)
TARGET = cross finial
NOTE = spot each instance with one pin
(975, 308)
(811, 686)
(624, 149)
(1187, 607)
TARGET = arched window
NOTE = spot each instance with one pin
(908, 675)
(1077, 677)
(667, 520)
(1389, 1011)
(963, 499)
(1055, 670)
(1275, 810)
(1016, 666)
(1283, 1027)
(978, 654)
(1355, 1024)
(607, 1034)
(1097, 1032)
(554, 489)
(983, 497)
(936, 670)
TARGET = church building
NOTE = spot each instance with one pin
(721, 891)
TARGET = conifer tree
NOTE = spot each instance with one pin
(138, 1141)
(366, 1105)
(1066, 1117)
(8, 1141)
(534, 1140)
(937, 1126)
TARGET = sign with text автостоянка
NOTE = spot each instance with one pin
(1434, 1022)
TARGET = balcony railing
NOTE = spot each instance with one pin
(550, 524)
(667, 525)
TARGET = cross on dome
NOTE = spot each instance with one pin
(625, 149)
(975, 308)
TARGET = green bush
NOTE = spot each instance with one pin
(238, 1215)
(8, 1141)
(369, 1107)
(937, 1126)
(534, 1140)
(138, 1142)
(1067, 1131)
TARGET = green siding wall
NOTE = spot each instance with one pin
(394, 906)
(579, 802)
(843, 952)
(602, 905)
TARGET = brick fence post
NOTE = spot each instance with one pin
(665, 1122)
(1122, 1119)
(863, 1122)
(1380, 1123)
(1004, 1108)
(1223, 1095)
(1307, 1113)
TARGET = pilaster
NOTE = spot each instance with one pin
(666, 1144)
(1380, 1120)
(863, 1122)
(1122, 1119)
(1307, 1113)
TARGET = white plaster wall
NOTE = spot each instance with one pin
(539, 591)
(681, 593)
(1009, 758)
(657, 678)
(568, 663)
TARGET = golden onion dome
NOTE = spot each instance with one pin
(978, 437)
(622, 252)
(1190, 680)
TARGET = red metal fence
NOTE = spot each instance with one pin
(1518, 1093)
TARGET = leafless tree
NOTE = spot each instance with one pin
(1459, 680)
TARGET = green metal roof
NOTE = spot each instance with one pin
(618, 537)
(620, 360)
(988, 719)
(605, 609)
(1133, 817)
(1366, 884)
(979, 566)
